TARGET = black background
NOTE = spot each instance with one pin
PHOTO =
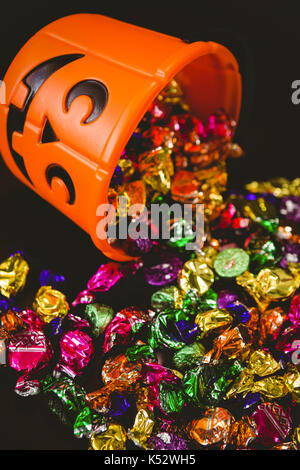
(264, 36)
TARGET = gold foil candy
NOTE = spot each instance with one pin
(262, 363)
(271, 387)
(195, 275)
(212, 320)
(279, 187)
(276, 283)
(13, 274)
(142, 428)
(292, 381)
(127, 167)
(156, 168)
(271, 284)
(112, 439)
(296, 437)
(243, 385)
(50, 303)
(172, 94)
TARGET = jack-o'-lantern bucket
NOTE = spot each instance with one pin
(75, 94)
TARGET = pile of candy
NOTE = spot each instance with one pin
(212, 361)
(172, 157)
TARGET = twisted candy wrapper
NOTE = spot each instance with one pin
(50, 303)
(76, 351)
(123, 326)
(13, 274)
(213, 428)
(142, 428)
(29, 350)
(114, 438)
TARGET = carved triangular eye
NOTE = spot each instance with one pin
(48, 133)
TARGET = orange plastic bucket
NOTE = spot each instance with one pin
(76, 92)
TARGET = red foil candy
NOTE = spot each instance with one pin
(273, 423)
(29, 350)
(120, 330)
(294, 313)
(76, 351)
(31, 319)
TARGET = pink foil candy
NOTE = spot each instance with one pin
(29, 350)
(154, 374)
(127, 322)
(31, 319)
(105, 277)
(84, 297)
(294, 313)
(273, 423)
(76, 351)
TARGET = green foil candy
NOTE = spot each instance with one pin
(207, 384)
(231, 262)
(67, 400)
(171, 397)
(164, 298)
(99, 317)
(189, 356)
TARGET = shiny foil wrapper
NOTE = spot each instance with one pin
(13, 274)
(167, 441)
(195, 275)
(292, 382)
(123, 326)
(273, 423)
(142, 428)
(99, 317)
(270, 324)
(114, 438)
(212, 428)
(213, 320)
(262, 363)
(76, 350)
(271, 387)
(118, 376)
(242, 433)
(188, 356)
(29, 350)
(271, 284)
(50, 303)
(11, 322)
(231, 343)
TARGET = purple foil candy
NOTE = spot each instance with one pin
(119, 404)
(48, 278)
(225, 298)
(164, 272)
(188, 331)
(291, 254)
(239, 311)
(167, 441)
(76, 351)
(251, 399)
(290, 208)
